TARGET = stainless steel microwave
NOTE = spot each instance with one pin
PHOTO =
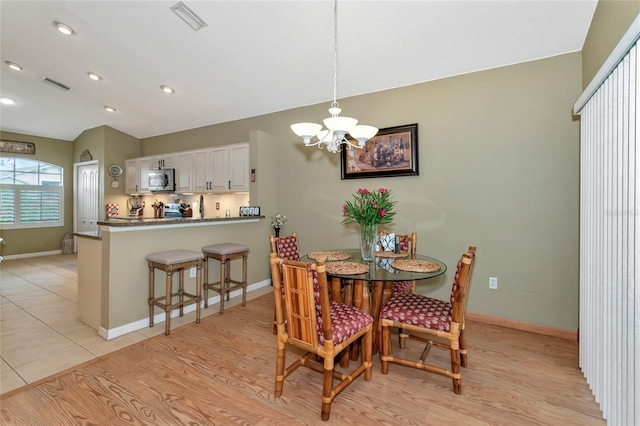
(162, 180)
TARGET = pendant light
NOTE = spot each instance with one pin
(334, 137)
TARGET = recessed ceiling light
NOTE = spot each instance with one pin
(94, 76)
(109, 108)
(63, 28)
(167, 89)
(6, 101)
(13, 65)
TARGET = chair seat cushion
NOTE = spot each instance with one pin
(171, 257)
(346, 320)
(225, 248)
(402, 287)
(419, 310)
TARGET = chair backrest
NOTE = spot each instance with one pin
(408, 242)
(460, 288)
(306, 302)
(285, 247)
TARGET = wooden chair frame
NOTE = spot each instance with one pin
(454, 339)
(273, 248)
(301, 329)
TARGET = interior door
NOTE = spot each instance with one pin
(86, 196)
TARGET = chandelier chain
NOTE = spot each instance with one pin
(335, 54)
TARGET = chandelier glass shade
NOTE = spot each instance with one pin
(338, 127)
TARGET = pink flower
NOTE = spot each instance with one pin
(363, 191)
(382, 213)
(382, 190)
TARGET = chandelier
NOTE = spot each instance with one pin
(337, 127)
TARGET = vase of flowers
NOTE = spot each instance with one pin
(369, 209)
(277, 221)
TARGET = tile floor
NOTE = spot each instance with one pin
(40, 330)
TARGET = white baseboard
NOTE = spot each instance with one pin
(25, 255)
(159, 318)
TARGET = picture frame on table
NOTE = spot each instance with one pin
(393, 151)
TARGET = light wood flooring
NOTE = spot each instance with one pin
(40, 329)
(221, 372)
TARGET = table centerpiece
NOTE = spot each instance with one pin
(369, 209)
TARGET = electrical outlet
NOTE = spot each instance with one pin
(192, 272)
(493, 283)
(217, 206)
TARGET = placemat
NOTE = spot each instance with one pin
(347, 268)
(415, 265)
(392, 254)
(328, 255)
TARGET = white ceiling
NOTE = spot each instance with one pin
(254, 57)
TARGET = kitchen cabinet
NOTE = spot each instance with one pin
(137, 175)
(184, 172)
(222, 169)
(230, 168)
(164, 161)
(202, 170)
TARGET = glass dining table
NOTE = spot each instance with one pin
(350, 288)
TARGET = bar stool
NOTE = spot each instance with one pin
(171, 261)
(225, 253)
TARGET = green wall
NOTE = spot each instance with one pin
(35, 240)
(498, 168)
(610, 21)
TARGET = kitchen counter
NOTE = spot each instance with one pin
(113, 273)
(124, 222)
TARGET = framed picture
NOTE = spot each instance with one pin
(392, 152)
(15, 147)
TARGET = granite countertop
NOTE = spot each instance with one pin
(122, 222)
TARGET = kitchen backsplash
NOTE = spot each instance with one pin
(231, 202)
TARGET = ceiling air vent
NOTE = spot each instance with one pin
(189, 16)
(55, 84)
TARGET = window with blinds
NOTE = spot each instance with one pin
(31, 194)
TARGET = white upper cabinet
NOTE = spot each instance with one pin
(164, 161)
(137, 177)
(132, 176)
(219, 165)
(214, 170)
(184, 171)
(239, 167)
(230, 168)
(202, 170)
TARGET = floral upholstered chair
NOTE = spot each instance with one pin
(286, 248)
(437, 322)
(320, 327)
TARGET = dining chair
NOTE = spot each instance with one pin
(322, 328)
(286, 248)
(436, 322)
(408, 243)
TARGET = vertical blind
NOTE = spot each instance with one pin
(610, 239)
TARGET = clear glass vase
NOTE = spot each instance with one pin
(368, 239)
